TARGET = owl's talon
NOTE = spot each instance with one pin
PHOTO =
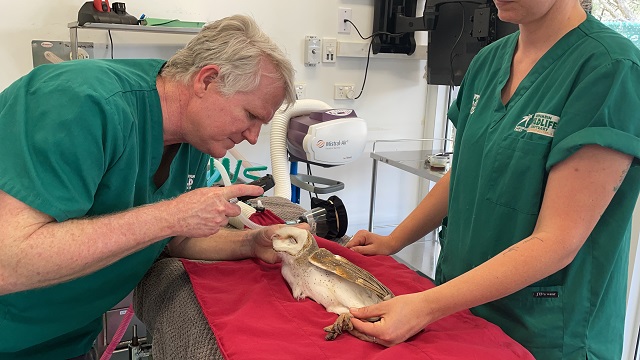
(342, 324)
(330, 336)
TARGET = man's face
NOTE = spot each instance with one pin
(215, 123)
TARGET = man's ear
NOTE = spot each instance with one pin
(204, 78)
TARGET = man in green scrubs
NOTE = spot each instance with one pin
(541, 191)
(103, 164)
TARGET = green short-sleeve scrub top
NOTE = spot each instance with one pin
(584, 90)
(83, 138)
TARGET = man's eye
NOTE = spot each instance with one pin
(251, 116)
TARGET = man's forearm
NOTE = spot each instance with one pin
(50, 252)
(227, 244)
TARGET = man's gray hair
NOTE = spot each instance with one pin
(237, 46)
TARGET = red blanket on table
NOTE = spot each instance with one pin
(249, 307)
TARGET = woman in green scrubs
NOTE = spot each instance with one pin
(541, 192)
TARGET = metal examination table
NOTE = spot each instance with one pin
(412, 161)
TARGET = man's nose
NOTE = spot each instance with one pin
(252, 133)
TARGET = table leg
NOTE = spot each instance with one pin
(374, 174)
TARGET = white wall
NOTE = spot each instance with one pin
(393, 103)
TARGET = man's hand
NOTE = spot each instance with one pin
(202, 212)
(262, 247)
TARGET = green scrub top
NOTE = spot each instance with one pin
(584, 90)
(83, 138)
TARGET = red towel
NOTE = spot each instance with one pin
(249, 307)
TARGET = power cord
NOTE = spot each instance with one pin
(452, 76)
(366, 69)
(313, 184)
(451, 55)
(110, 42)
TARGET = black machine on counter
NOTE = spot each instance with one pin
(99, 11)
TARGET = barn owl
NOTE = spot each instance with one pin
(328, 279)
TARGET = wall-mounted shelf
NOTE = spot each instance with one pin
(73, 31)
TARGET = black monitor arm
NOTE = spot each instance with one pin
(428, 19)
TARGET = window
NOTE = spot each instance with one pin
(620, 15)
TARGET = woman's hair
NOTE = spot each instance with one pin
(237, 46)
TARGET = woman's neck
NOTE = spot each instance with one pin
(540, 35)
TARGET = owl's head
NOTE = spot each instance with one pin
(291, 240)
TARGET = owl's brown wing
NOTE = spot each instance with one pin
(344, 268)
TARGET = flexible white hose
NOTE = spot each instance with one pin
(278, 141)
(241, 220)
(223, 172)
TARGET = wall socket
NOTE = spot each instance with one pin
(344, 14)
(343, 91)
(301, 91)
(329, 49)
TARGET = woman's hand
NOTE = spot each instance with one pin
(400, 318)
(368, 243)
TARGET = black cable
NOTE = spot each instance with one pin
(312, 184)
(451, 57)
(452, 77)
(110, 42)
(366, 69)
(446, 122)
(374, 34)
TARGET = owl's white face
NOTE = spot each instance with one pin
(289, 240)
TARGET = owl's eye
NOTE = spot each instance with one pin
(293, 240)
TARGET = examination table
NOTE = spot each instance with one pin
(249, 313)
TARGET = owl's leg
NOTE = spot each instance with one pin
(342, 323)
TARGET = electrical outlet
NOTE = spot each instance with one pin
(344, 14)
(343, 91)
(329, 49)
(301, 91)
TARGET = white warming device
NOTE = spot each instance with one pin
(327, 137)
(313, 132)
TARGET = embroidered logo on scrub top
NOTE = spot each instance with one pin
(523, 124)
(538, 123)
(190, 181)
(476, 97)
